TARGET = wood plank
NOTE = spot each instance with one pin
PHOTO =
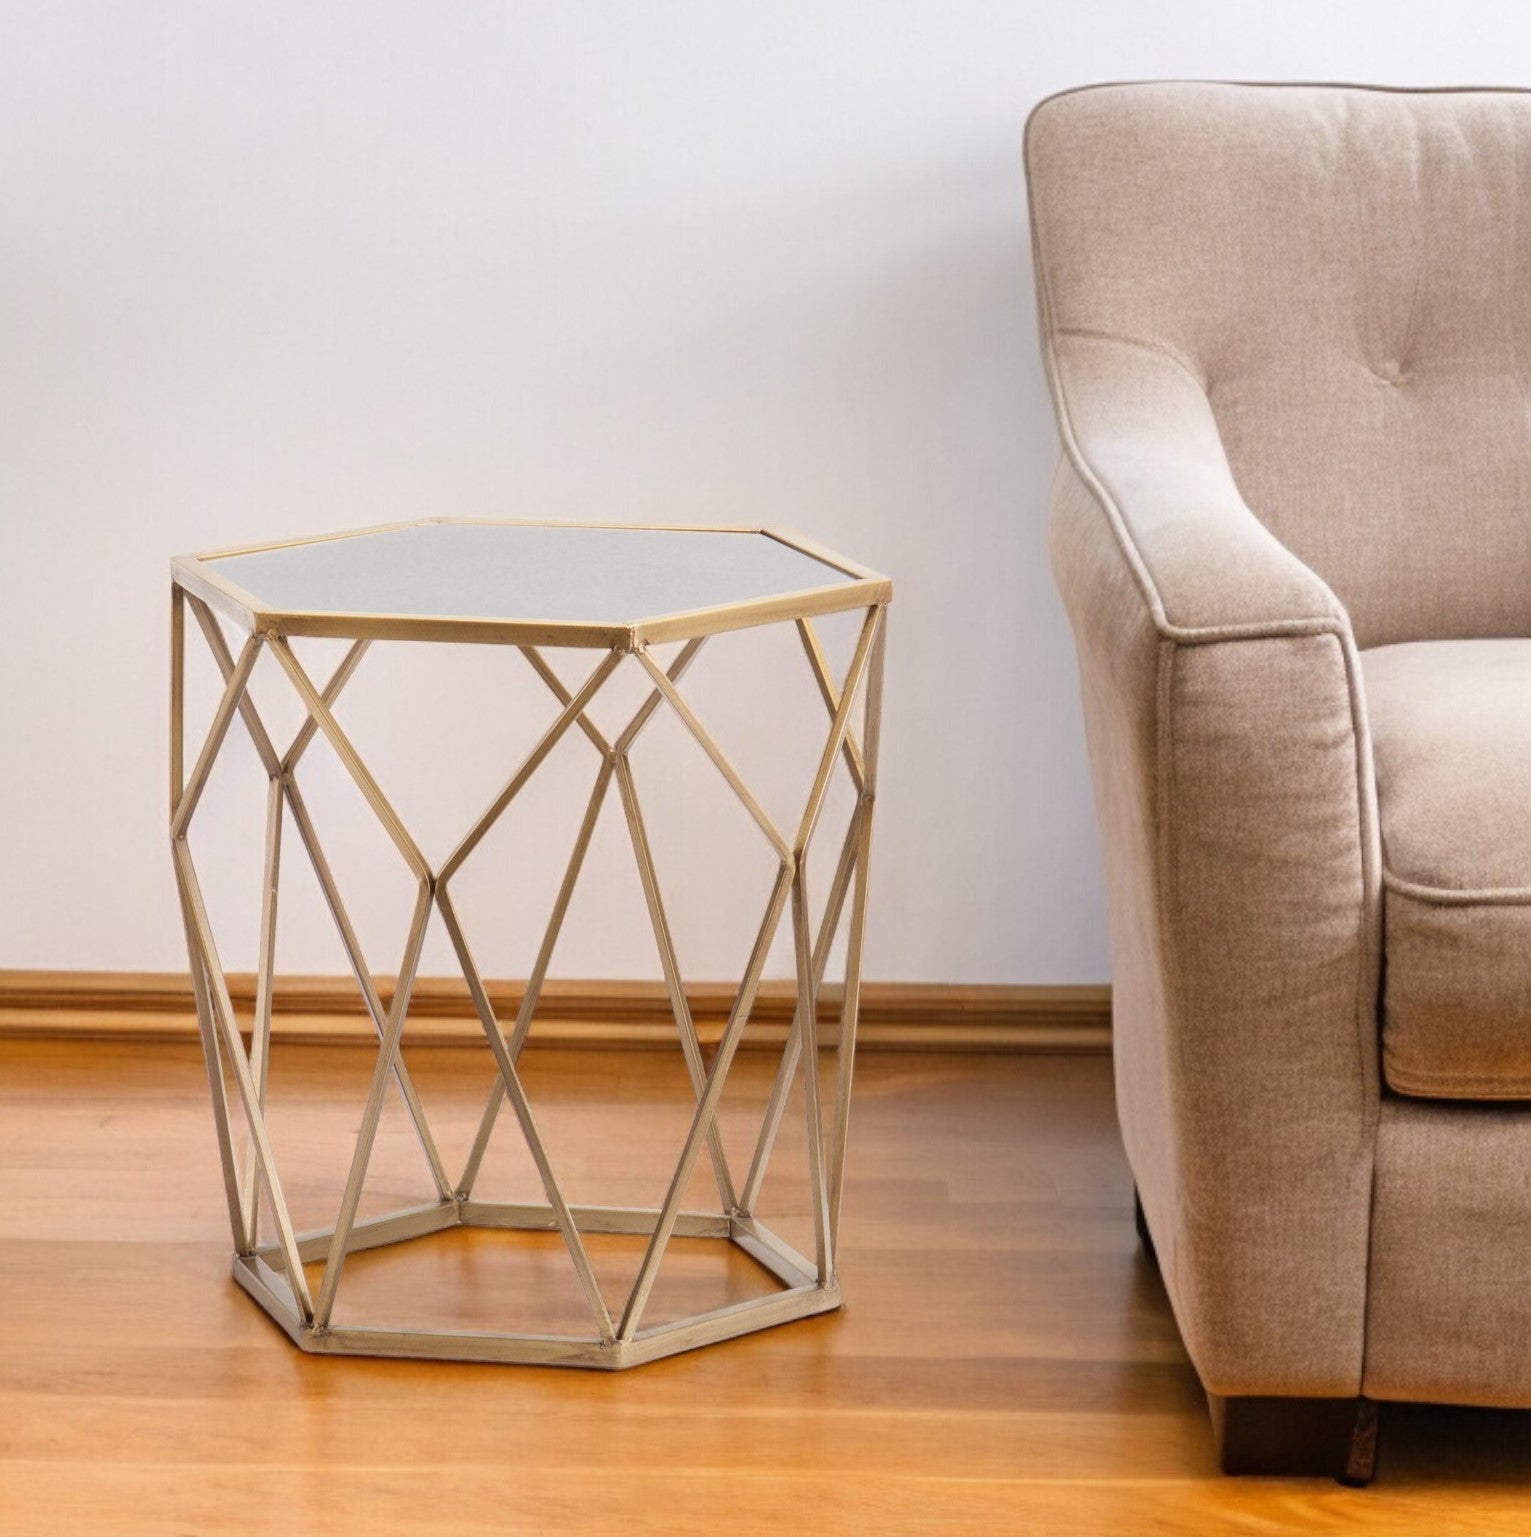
(1005, 1363)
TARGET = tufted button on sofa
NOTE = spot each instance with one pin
(1288, 335)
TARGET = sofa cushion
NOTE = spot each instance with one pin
(1451, 731)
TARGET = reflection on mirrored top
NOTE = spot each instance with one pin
(547, 573)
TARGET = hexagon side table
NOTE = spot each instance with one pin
(618, 588)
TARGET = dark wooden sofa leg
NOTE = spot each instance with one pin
(1286, 1437)
(1297, 1437)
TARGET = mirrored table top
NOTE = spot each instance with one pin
(528, 583)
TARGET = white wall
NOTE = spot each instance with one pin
(270, 269)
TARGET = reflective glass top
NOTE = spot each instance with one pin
(551, 573)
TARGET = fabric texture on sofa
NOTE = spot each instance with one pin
(1451, 732)
(1288, 335)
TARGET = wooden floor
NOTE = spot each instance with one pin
(1005, 1363)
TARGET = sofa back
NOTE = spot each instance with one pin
(1347, 273)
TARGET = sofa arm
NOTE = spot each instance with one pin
(1235, 797)
(1139, 431)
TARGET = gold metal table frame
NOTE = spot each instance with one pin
(272, 1271)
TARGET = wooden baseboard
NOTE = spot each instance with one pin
(917, 1016)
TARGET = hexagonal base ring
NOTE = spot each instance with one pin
(802, 1298)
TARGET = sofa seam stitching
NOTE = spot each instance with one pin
(1279, 85)
(1456, 896)
(1466, 1086)
(1167, 876)
(1121, 338)
(1369, 963)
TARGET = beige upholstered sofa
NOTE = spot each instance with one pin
(1288, 332)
